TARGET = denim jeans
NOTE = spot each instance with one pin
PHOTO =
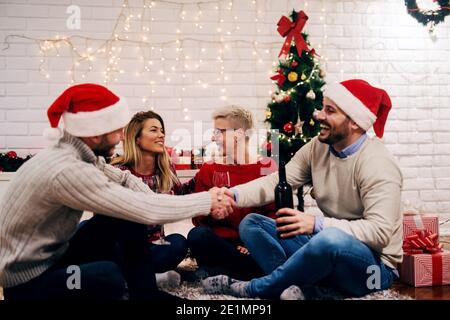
(168, 257)
(330, 258)
(109, 252)
(210, 250)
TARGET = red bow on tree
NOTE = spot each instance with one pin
(290, 29)
(423, 241)
(280, 78)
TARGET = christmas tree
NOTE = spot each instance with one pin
(299, 80)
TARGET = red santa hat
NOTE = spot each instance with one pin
(363, 103)
(87, 110)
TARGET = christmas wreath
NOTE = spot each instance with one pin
(10, 162)
(425, 17)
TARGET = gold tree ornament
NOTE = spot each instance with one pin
(292, 76)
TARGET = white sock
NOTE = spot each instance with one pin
(170, 279)
(292, 293)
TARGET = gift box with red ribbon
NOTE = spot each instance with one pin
(425, 269)
(424, 261)
(415, 222)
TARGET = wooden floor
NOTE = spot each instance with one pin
(427, 293)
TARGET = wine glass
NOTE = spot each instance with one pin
(162, 237)
(221, 179)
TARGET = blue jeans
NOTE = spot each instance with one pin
(168, 257)
(210, 250)
(330, 258)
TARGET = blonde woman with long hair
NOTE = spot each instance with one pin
(145, 156)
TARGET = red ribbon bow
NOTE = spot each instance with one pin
(290, 29)
(423, 241)
(280, 78)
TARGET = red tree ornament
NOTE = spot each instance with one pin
(294, 64)
(288, 127)
(11, 154)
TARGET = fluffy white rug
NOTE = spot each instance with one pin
(193, 290)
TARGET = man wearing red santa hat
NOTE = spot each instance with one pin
(357, 243)
(44, 254)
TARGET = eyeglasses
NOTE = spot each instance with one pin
(218, 132)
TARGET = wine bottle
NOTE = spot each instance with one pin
(283, 192)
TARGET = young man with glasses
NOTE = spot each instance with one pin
(216, 245)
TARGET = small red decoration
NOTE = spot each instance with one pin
(288, 127)
(280, 78)
(11, 154)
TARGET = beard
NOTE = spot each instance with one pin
(334, 134)
(104, 149)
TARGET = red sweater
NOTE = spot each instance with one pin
(238, 174)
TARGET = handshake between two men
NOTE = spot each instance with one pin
(289, 222)
(222, 202)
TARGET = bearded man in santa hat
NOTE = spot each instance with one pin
(357, 243)
(44, 253)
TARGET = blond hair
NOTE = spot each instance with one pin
(132, 153)
(238, 116)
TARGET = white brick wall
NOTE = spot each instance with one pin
(375, 40)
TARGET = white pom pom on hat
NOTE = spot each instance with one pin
(52, 134)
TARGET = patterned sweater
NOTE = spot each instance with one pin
(43, 204)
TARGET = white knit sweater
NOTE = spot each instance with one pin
(43, 205)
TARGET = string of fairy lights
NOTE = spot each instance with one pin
(180, 57)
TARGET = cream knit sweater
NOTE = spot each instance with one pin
(43, 205)
(359, 194)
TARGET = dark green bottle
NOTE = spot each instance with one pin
(283, 191)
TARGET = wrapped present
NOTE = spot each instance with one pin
(414, 222)
(184, 161)
(424, 262)
(422, 241)
(425, 269)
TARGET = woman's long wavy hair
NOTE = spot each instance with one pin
(132, 153)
